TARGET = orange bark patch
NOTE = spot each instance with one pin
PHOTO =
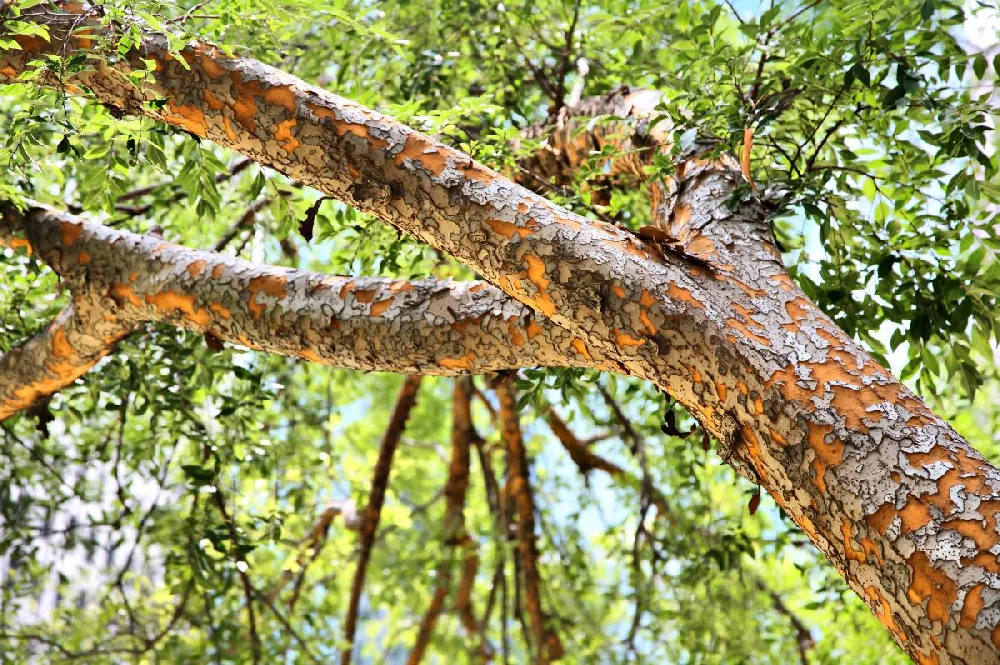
(245, 110)
(17, 243)
(219, 309)
(379, 308)
(464, 362)
(246, 92)
(625, 340)
(580, 347)
(365, 295)
(534, 329)
(619, 291)
(929, 584)
(650, 328)
(683, 295)
(70, 232)
(849, 551)
(284, 135)
(419, 149)
(311, 356)
(463, 324)
(272, 285)
(83, 258)
(516, 338)
(479, 173)
(536, 275)
(777, 438)
(209, 66)
(401, 285)
(754, 452)
(213, 102)
(883, 611)
(826, 454)
(721, 390)
(509, 230)
(346, 288)
(971, 606)
(218, 270)
(195, 268)
(189, 117)
(230, 134)
(171, 301)
(122, 293)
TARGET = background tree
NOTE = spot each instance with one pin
(211, 497)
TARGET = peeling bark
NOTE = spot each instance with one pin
(57, 356)
(120, 279)
(900, 503)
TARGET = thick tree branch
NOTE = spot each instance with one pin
(65, 350)
(120, 279)
(373, 510)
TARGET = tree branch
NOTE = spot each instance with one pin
(120, 279)
(373, 510)
(455, 536)
(545, 639)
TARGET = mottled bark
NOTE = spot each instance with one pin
(55, 357)
(120, 279)
(901, 504)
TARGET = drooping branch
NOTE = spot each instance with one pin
(120, 279)
(373, 510)
(545, 639)
(897, 500)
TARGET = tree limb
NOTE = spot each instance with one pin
(455, 536)
(545, 639)
(120, 279)
(373, 510)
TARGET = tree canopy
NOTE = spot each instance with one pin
(192, 499)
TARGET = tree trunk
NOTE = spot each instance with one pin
(902, 505)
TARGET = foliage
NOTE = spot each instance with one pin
(871, 140)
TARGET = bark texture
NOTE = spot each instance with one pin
(900, 503)
(120, 280)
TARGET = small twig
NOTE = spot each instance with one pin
(241, 568)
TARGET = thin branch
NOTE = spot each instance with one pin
(567, 58)
(373, 511)
(241, 568)
(312, 543)
(454, 516)
(548, 643)
(803, 636)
